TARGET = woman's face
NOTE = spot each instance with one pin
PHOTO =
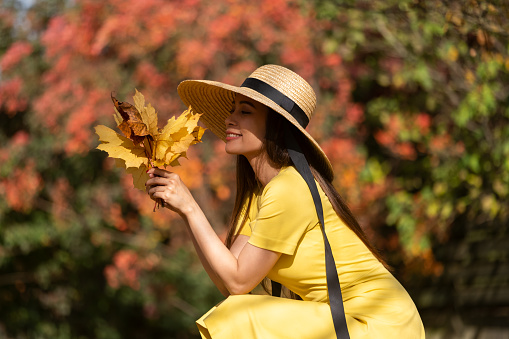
(245, 127)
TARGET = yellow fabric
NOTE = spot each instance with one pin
(283, 219)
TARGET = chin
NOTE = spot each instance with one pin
(231, 150)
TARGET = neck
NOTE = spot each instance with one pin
(263, 169)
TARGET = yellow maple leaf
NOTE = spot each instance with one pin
(163, 141)
(120, 147)
(117, 117)
(139, 101)
(177, 136)
(183, 144)
(198, 133)
(148, 113)
(170, 159)
(140, 176)
(151, 117)
(189, 135)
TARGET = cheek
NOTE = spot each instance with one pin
(254, 139)
(261, 130)
(260, 134)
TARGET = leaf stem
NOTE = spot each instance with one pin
(149, 152)
(148, 147)
(159, 201)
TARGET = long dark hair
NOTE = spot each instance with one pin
(277, 155)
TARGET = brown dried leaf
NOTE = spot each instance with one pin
(132, 125)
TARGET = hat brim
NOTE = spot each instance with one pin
(215, 100)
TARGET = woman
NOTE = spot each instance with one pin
(275, 230)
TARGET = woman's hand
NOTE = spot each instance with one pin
(168, 187)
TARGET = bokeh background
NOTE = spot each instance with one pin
(412, 112)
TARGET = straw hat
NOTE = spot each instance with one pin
(274, 86)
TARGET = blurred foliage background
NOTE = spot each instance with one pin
(412, 111)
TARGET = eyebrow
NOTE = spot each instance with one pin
(247, 103)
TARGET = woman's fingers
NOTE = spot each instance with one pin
(158, 184)
(164, 192)
(161, 177)
(169, 187)
(158, 172)
(157, 181)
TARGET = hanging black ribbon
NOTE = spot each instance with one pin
(333, 286)
(302, 166)
(276, 288)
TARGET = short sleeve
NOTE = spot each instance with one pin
(286, 211)
(244, 227)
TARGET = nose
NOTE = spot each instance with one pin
(229, 121)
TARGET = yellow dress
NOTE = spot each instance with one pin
(283, 219)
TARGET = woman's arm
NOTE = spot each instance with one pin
(238, 274)
(238, 245)
(213, 276)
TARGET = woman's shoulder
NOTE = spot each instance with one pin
(288, 183)
(287, 178)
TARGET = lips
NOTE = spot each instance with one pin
(231, 135)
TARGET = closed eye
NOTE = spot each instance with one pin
(242, 103)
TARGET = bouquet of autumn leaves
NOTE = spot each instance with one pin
(144, 145)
